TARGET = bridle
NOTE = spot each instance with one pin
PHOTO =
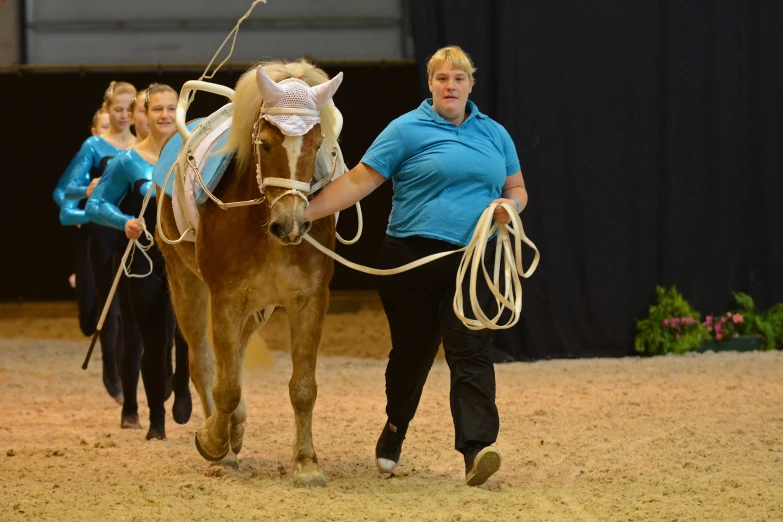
(300, 189)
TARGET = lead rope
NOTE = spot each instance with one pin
(473, 257)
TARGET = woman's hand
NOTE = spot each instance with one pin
(91, 186)
(500, 215)
(133, 229)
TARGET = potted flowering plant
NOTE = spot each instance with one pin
(672, 326)
(726, 333)
(765, 328)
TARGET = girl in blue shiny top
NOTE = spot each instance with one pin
(118, 137)
(78, 182)
(71, 214)
(127, 179)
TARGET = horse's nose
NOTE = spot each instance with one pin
(289, 232)
(277, 230)
(306, 226)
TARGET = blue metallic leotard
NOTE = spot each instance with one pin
(70, 213)
(127, 172)
(89, 157)
(72, 185)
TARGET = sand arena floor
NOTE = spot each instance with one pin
(671, 438)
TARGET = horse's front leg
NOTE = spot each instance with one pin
(306, 320)
(228, 323)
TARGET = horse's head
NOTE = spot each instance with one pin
(286, 137)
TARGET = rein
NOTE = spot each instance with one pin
(473, 257)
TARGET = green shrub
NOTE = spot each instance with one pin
(672, 326)
(769, 324)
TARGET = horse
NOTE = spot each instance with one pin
(247, 260)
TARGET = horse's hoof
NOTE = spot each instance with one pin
(203, 453)
(237, 435)
(308, 476)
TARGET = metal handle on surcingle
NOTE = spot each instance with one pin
(107, 304)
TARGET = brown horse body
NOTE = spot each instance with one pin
(236, 273)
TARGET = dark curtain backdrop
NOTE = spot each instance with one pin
(649, 134)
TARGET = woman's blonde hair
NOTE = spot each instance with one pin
(156, 88)
(95, 118)
(454, 56)
(140, 95)
(116, 88)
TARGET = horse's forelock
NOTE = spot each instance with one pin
(247, 100)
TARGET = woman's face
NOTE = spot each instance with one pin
(101, 124)
(139, 117)
(161, 112)
(119, 115)
(450, 89)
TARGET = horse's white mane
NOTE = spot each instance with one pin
(247, 100)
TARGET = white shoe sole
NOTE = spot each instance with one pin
(487, 462)
(386, 465)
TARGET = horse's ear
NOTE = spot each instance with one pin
(270, 91)
(324, 92)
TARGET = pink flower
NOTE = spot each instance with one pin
(677, 336)
(737, 318)
(728, 314)
(718, 336)
(666, 322)
(708, 320)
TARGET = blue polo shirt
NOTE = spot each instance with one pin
(444, 176)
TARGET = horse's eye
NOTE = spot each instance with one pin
(265, 146)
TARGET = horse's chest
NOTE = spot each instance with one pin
(280, 281)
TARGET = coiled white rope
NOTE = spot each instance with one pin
(506, 255)
(137, 245)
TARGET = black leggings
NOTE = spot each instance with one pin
(419, 308)
(85, 286)
(101, 249)
(131, 347)
(149, 301)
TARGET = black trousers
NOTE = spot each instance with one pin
(85, 286)
(150, 303)
(100, 248)
(419, 308)
(131, 347)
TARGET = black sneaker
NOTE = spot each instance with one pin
(388, 449)
(480, 464)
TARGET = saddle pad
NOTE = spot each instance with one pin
(211, 164)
